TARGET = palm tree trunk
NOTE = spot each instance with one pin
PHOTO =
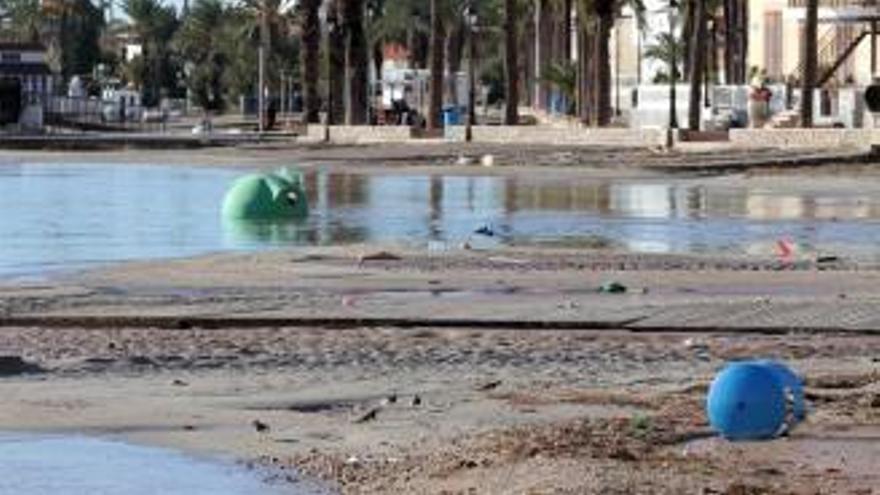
(311, 43)
(729, 41)
(566, 29)
(378, 57)
(356, 62)
(544, 29)
(602, 83)
(687, 35)
(336, 58)
(511, 64)
(735, 41)
(810, 52)
(454, 55)
(584, 73)
(697, 56)
(435, 97)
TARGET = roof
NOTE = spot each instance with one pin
(9, 46)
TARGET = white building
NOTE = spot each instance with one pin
(27, 63)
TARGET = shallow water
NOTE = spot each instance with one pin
(88, 466)
(64, 216)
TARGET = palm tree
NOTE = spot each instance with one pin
(562, 75)
(200, 41)
(696, 55)
(662, 51)
(597, 18)
(154, 23)
(310, 33)
(23, 19)
(735, 40)
(511, 63)
(268, 26)
(336, 63)
(435, 97)
(72, 32)
(355, 61)
(810, 64)
(604, 12)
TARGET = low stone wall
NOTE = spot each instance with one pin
(804, 138)
(562, 136)
(343, 134)
(498, 135)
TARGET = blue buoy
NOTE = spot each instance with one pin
(747, 402)
(793, 387)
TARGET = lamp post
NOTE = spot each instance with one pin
(617, 70)
(328, 115)
(673, 65)
(472, 54)
(260, 98)
(283, 92)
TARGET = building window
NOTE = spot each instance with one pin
(11, 57)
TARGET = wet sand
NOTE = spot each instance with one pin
(592, 393)
(498, 410)
(463, 158)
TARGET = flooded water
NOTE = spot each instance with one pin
(87, 466)
(65, 216)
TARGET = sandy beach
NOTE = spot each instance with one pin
(393, 369)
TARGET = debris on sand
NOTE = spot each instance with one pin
(612, 288)
(378, 256)
(489, 386)
(260, 426)
(370, 415)
(464, 160)
(15, 365)
(485, 230)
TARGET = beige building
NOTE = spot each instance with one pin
(776, 41)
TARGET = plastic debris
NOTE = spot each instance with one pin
(485, 230)
(785, 249)
(755, 400)
(612, 288)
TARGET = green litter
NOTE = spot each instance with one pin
(612, 288)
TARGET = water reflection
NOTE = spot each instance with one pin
(87, 466)
(640, 216)
(73, 215)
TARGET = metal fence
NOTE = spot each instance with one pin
(92, 114)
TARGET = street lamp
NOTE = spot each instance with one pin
(328, 115)
(673, 64)
(472, 19)
(260, 81)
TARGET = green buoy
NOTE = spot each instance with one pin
(276, 196)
